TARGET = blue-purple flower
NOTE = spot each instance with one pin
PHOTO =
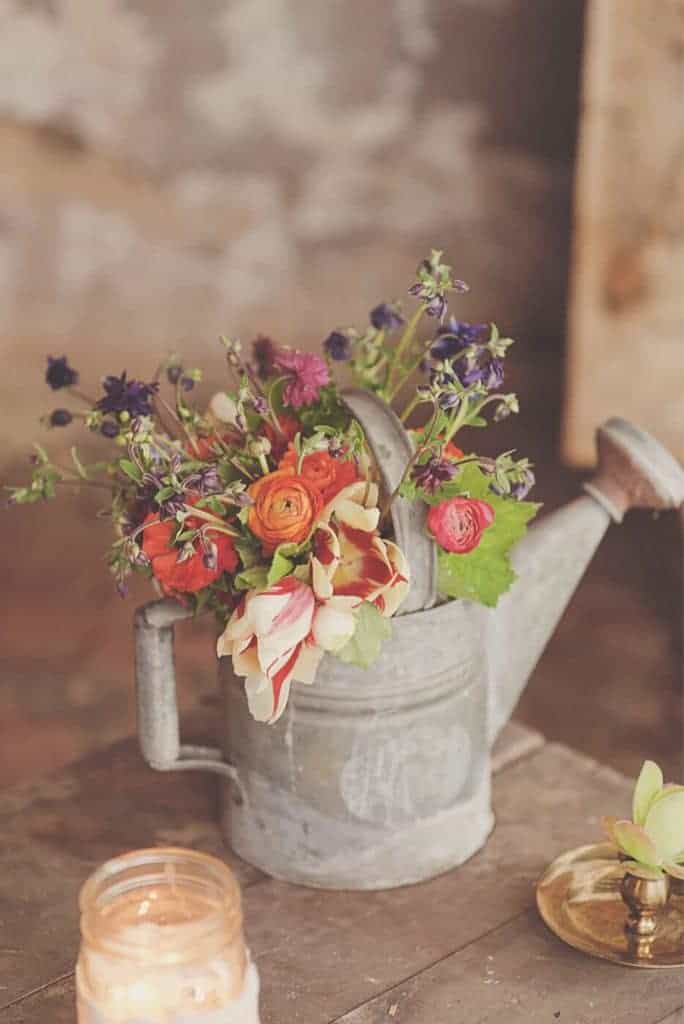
(59, 374)
(338, 346)
(432, 474)
(386, 317)
(109, 428)
(484, 369)
(131, 396)
(456, 336)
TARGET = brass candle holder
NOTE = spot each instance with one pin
(595, 902)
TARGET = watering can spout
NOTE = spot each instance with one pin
(634, 471)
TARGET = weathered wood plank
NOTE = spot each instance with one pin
(321, 954)
(627, 298)
(56, 833)
(520, 974)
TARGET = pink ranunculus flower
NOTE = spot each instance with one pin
(279, 635)
(457, 524)
(306, 374)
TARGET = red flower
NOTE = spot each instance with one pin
(289, 426)
(458, 523)
(191, 574)
(327, 474)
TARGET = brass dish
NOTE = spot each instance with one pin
(579, 897)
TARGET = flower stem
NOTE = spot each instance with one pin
(404, 342)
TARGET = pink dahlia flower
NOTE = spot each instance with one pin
(306, 375)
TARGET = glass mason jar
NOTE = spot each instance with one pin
(162, 943)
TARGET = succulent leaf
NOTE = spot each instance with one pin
(634, 841)
(665, 824)
(648, 787)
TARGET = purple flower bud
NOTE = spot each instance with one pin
(522, 487)
(449, 400)
(60, 418)
(210, 556)
(187, 383)
(174, 373)
(121, 588)
(486, 370)
(386, 317)
(436, 306)
(260, 405)
(109, 428)
(59, 374)
(338, 346)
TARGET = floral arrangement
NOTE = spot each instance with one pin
(653, 841)
(265, 506)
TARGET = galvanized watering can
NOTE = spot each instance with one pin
(378, 778)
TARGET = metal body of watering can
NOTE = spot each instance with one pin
(380, 777)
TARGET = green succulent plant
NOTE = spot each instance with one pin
(653, 841)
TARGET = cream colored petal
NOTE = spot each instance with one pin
(333, 627)
(307, 664)
(321, 579)
(356, 516)
(260, 697)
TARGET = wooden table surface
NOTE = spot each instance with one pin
(467, 947)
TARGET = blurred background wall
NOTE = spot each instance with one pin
(170, 171)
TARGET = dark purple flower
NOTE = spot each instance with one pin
(264, 351)
(174, 373)
(59, 374)
(60, 418)
(456, 336)
(432, 474)
(187, 383)
(486, 369)
(386, 317)
(109, 428)
(131, 396)
(338, 346)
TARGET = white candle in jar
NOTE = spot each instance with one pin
(162, 943)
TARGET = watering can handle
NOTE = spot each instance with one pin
(157, 703)
(392, 448)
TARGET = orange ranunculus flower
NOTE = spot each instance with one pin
(285, 508)
(327, 474)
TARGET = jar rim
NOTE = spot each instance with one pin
(162, 866)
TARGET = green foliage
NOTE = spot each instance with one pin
(485, 573)
(372, 629)
(281, 564)
(255, 578)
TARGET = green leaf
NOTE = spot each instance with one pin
(248, 552)
(476, 576)
(131, 470)
(280, 566)
(372, 629)
(255, 578)
(485, 573)
(648, 786)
